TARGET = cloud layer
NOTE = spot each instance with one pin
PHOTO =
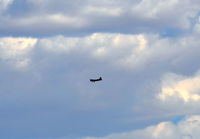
(147, 53)
(187, 128)
(53, 75)
(85, 17)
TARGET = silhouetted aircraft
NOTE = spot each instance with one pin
(94, 80)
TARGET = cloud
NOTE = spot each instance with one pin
(129, 51)
(4, 4)
(103, 11)
(86, 17)
(39, 24)
(56, 84)
(184, 88)
(185, 129)
(167, 11)
(132, 52)
(117, 50)
(179, 93)
(196, 28)
(16, 51)
(147, 53)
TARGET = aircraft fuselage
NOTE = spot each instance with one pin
(94, 80)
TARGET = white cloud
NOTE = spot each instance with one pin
(178, 94)
(118, 50)
(16, 50)
(188, 128)
(184, 88)
(129, 51)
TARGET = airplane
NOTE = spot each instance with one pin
(94, 80)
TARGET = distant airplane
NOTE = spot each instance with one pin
(94, 80)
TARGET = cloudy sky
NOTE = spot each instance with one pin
(146, 51)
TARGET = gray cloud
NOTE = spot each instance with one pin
(4, 5)
(85, 17)
(52, 88)
(44, 82)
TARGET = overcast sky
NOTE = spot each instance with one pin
(146, 51)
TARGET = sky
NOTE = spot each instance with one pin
(146, 51)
